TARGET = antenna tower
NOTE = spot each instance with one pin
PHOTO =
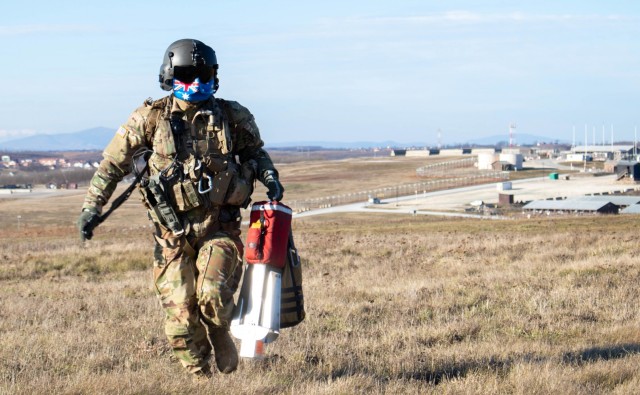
(511, 140)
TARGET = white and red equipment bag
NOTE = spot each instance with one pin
(268, 235)
(256, 318)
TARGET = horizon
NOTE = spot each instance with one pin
(57, 141)
(438, 72)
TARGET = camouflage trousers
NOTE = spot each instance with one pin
(196, 293)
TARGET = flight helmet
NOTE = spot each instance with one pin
(187, 60)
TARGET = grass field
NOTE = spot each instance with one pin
(395, 305)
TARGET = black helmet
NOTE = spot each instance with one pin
(190, 59)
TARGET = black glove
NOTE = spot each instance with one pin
(88, 220)
(275, 189)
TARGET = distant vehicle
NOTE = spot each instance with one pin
(374, 200)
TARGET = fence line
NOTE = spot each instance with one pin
(398, 190)
(445, 166)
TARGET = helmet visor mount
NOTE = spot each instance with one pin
(188, 74)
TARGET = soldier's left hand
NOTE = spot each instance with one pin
(275, 188)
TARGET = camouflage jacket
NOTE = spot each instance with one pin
(214, 135)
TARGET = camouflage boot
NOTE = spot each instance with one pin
(225, 350)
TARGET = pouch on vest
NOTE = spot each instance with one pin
(215, 163)
(291, 297)
(268, 234)
(220, 187)
(241, 186)
(230, 187)
(185, 196)
(239, 192)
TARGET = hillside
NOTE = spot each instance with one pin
(395, 304)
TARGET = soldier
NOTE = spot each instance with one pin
(204, 154)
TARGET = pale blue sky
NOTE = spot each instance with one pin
(335, 70)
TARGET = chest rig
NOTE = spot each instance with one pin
(187, 140)
(192, 161)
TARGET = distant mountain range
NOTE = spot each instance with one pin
(96, 139)
(85, 140)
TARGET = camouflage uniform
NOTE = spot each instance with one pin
(197, 273)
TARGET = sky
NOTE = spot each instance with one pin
(362, 70)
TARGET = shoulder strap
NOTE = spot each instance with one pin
(159, 109)
(229, 127)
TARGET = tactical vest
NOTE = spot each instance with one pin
(193, 158)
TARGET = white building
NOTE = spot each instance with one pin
(604, 152)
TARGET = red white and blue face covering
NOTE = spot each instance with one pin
(193, 91)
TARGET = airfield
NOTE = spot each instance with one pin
(460, 201)
(447, 202)
(457, 202)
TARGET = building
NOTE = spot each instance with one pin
(500, 162)
(455, 151)
(580, 157)
(604, 152)
(516, 160)
(633, 209)
(418, 152)
(548, 150)
(610, 166)
(619, 200)
(572, 206)
(524, 151)
(501, 165)
(627, 170)
(486, 161)
(480, 151)
(422, 152)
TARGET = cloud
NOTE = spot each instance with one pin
(21, 30)
(468, 17)
(6, 135)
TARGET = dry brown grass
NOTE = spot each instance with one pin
(395, 305)
(310, 179)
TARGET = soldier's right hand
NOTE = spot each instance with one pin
(85, 218)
